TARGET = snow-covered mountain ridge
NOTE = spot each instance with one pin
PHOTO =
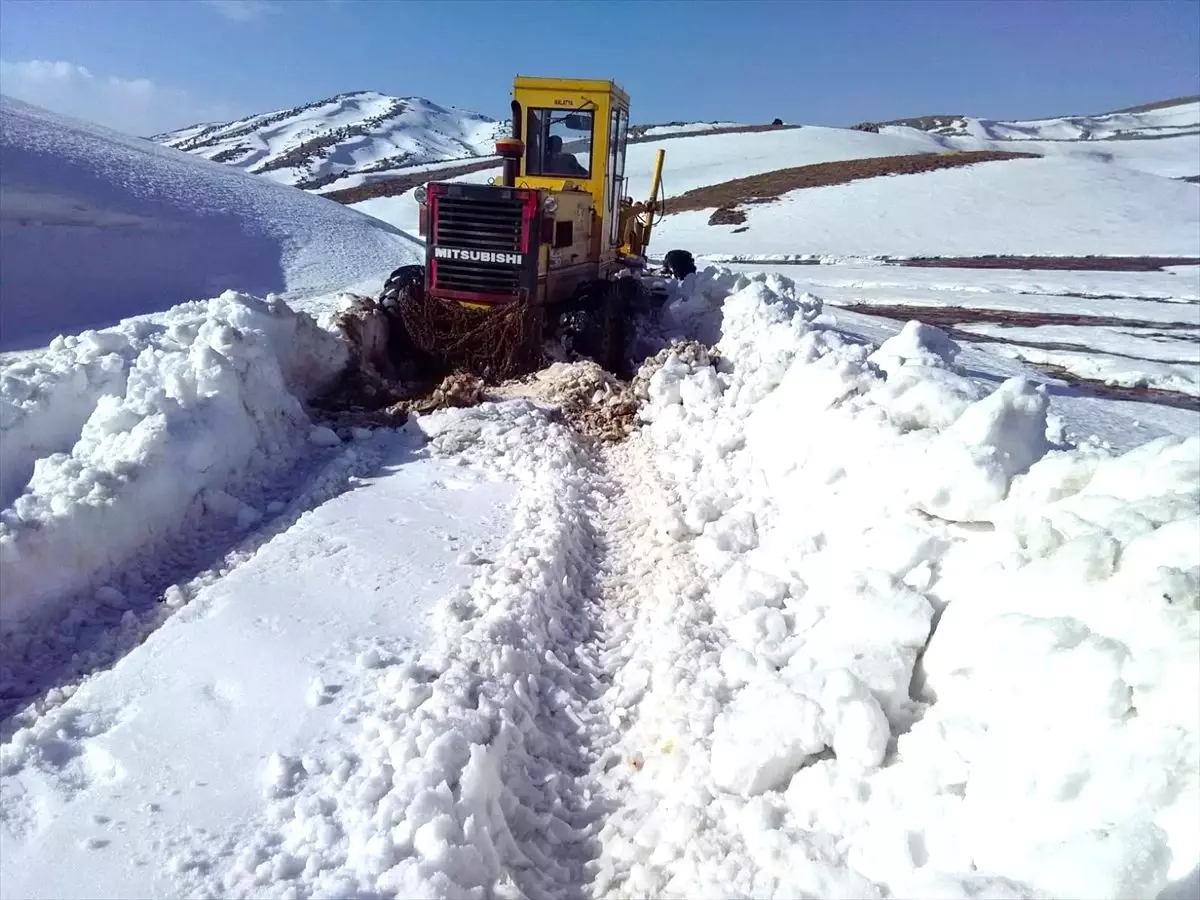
(315, 144)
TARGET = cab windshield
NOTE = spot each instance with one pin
(560, 143)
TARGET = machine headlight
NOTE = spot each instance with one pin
(421, 193)
(549, 205)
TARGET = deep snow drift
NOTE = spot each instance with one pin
(96, 226)
(844, 619)
(1125, 329)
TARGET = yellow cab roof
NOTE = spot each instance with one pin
(573, 85)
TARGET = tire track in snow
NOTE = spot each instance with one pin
(667, 833)
(652, 583)
(471, 768)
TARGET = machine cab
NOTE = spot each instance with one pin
(574, 134)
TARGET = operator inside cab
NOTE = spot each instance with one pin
(559, 162)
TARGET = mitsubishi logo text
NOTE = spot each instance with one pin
(483, 256)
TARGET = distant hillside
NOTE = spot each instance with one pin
(370, 150)
(1160, 104)
(1162, 119)
(320, 143)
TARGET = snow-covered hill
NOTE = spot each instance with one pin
(1171, 118)
(96, 226)
(317, 144)
(1161, 139)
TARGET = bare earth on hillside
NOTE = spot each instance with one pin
(401, 184)
(943, 316)
(728, 196)
(1158, 104)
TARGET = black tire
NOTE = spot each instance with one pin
(405, 283)
(635, 296)
(593, 323)
(679, 263)
(404, 288)
(615, 330)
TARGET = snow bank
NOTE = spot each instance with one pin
(128, 430)
(96, 226)
(930, 652)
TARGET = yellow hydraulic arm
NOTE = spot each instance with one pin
(642, 215)
(655, 185)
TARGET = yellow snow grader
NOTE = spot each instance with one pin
(551, 249)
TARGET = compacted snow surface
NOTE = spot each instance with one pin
(846, 617)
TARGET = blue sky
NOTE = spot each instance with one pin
(149, 65)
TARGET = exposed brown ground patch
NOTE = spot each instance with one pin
(401, 184)
(729, 195)
(230, 153)
(1055, 263)
(593, 401)
(1094, 388)
(1180, 131)
(947, 318)
(394, 187)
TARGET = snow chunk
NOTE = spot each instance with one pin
(916, 344)
(323, 436)
(765, 735)
(972, 464)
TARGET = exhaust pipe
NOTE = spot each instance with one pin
(510, 150)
